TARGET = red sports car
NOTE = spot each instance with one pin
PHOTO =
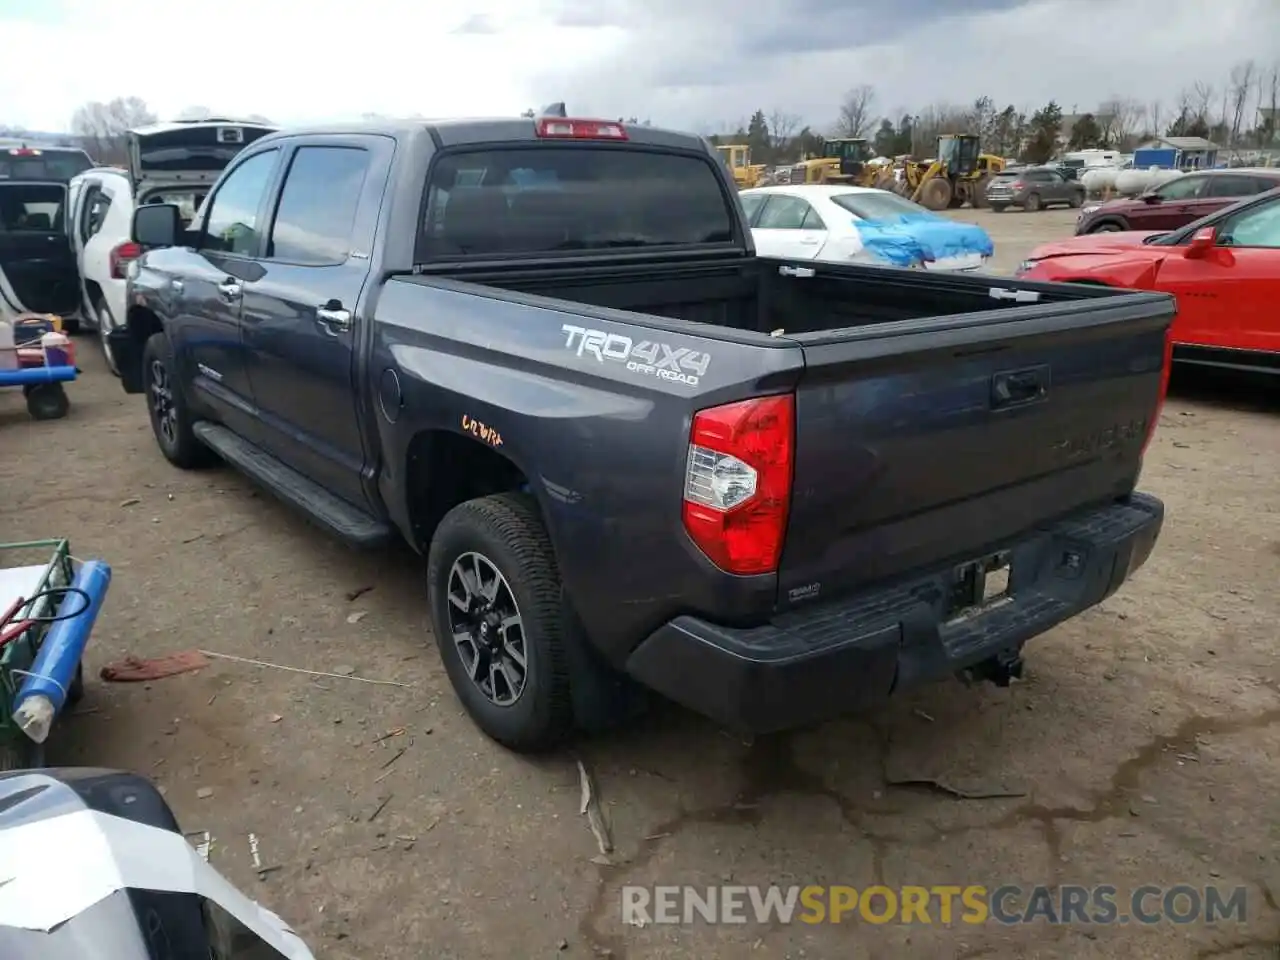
(1224, 270)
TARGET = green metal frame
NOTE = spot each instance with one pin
(19, 654)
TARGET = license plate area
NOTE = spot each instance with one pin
(978, 587)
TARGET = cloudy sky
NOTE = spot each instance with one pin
(700, 64)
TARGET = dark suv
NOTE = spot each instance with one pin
(1177, 202)
(20, 160)
(1033, 188)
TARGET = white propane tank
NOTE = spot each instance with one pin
(8, 355)
(1131, 183)
(1161, 177)
(1099, 180)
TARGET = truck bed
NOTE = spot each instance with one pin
(936, 414)
(765, 295)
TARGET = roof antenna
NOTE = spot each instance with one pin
(554, 110)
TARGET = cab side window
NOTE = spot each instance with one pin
(233, 222)
(751, 205)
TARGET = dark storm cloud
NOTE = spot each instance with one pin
(807, 26)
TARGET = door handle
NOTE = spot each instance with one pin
(809, 241)
(333, 319)
(230, 288)
(1019, 386)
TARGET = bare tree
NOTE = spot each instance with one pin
(1243, 78)
(856, 116)
(1201, 96)
(1155, 113)
(782, 129)
(102, 126)
(1123, 116)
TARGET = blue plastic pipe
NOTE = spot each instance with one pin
(26, 376)
(55, 665)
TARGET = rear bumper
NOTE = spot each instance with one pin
(816, 663)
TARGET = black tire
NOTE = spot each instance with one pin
(936, 194)
(1076, 201)
(15, 753)
(1107, 226)
(1032, 204)
(75, 692)
(47, 401)
(999, 207)
(507, 532)
(102, 311)
(71, 326)
(170, 417)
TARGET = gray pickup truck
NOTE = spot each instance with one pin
(544, 352)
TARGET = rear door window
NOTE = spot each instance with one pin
(789, 213)
(318, 205)
(553, 199)
(751, 204)
(1183, 188)
(1231, 185)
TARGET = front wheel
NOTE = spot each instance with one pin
(1032, 204)
(493, 587)
(1076, 201)
(170, 419)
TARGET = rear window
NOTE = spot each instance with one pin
(880, 206)
(559, 198)
(43, 164)
(31, 207)
(196, 148)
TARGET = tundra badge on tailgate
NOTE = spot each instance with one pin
(651, 358)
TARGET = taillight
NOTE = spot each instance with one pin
(122, 254)
(1165, 372)
(564, 129)
(737, 485)
(25, 152)
(1017, 185)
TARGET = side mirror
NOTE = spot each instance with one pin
(1150, 198)
(157, 225)
(1202, 241)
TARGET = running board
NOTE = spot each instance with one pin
(334, 514)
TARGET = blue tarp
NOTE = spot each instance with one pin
(934, 237)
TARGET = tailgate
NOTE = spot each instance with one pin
(923, 442)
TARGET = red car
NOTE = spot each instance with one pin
(1224, 270)
(1178, 202)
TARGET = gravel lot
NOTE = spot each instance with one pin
(1144, 746)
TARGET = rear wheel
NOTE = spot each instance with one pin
(1110, 226)
(106, 323)
(978, 192)
(1076, 201)
(1033, 203)
(495, 596)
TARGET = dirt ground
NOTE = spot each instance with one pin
(1143, 747)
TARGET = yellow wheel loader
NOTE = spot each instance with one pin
(843, 160)
(737, 157)
(957, 175)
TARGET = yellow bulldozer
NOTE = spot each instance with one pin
(957, 175)
(843, 160)
(737, 157)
